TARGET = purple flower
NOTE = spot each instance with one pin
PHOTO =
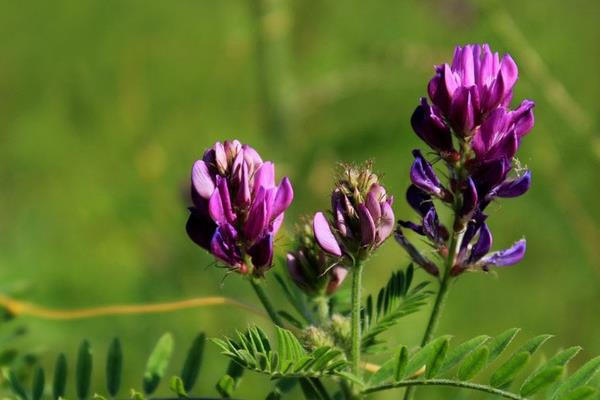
(423, 176)
(429, 125)
(238, 208)
(362, 216)
(476, 83)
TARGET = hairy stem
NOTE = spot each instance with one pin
(356, 322)
(445, 382)
(264, 299)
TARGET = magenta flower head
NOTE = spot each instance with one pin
(238, 208)
(362, 215)
(311, 269)
(470, 127)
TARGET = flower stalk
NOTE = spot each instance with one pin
(356, 323)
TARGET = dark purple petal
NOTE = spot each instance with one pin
(504, 258)
(483, 244)
(294, 269)
(423, 176)
(257, 220)
(431, 225)
(415, 254)
(513, 188)
(223, 245)
(412, 226)
(324, 236)
(337, 201)
(470, 199)
(261, 253)
(418, 200)
(431, 128)
(200, 228)
(367, 226)
(463, 110)
(283, 198)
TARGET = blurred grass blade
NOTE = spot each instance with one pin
(37, 387)
(84, 370)
(193, 362)
(59, 383)
(13, 383)
(114, 367)
(157, 363)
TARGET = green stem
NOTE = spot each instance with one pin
(264, 299)
(444, 382)
(356, 322)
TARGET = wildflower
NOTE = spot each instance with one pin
(237, 207)
(362, 215)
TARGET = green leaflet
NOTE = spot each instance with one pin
(157, 363)
(193, 362)
(581, 393)
(400, 364)
(473, 363)
(507, 371)
(114, 367)
(531, 385)
(83, 370)
(456, 355)
(177, 387)
(60, 377)
(501, 342)
(540, 380)
(426, 355)
(14, 384)
(579, 378)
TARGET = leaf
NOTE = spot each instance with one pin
(401, 363)
(135, 395)
(177, 387)
(37, 389)
(560, 360)
(14, 384)
(579, 378)
(226, 386)
(425, 356)
(60, 377)
(437, 360)
(581, 393)
(473, 363)
(157, 363)
(114, 367)
(501, 342)
(193, 362)
(456, 355)
(83, 369)
(383, 374)
(509, 369)
(394, 301)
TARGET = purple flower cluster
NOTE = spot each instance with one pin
(362, 215)
(469, 125)
(311, 268)
(238, 208)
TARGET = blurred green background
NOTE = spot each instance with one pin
(104, 106)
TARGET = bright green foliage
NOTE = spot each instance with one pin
(157, 363)
(474, 355)
(254, 351)
(394, 301)
(176, 385)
